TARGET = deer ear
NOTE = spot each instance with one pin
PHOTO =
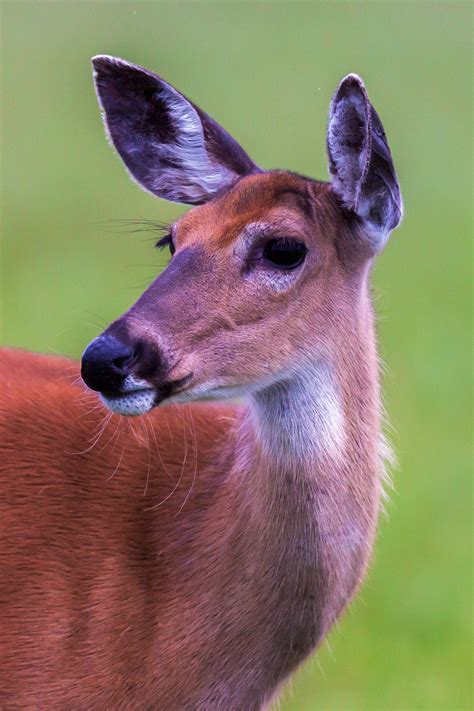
(169, 146)
(360, 162)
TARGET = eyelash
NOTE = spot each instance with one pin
(166, 241)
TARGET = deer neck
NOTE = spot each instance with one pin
(313, 440)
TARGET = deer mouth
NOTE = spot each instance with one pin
(137, 397)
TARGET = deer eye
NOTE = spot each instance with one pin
(284, 252)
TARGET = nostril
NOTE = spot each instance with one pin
(121, 362)
(124, 360)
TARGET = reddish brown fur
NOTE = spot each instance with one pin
(86, 560)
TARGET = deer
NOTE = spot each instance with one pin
(194, 555)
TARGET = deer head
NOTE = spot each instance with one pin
(266, 272)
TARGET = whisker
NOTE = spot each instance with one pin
(135, 226)
(163, 466)
(195, 465)
(90, 411)
(149, 458)
(151, 508)
(112, 438)
(120, 458)
(97, 437)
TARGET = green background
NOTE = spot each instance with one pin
(266, 71)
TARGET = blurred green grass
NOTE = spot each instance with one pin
(266, 71)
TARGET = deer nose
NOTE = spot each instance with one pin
(106, 362)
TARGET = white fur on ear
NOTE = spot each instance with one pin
(184, 170)
(169, 146)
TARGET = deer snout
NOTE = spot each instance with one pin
(131, 378)
(106, 363)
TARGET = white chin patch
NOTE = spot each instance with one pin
(131, 403)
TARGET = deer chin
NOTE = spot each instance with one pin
(132, 403)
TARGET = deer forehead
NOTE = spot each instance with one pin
(279, 200)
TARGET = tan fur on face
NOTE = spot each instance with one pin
(218, 223)
(218, 338)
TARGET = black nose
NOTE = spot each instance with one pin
(106, 363)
